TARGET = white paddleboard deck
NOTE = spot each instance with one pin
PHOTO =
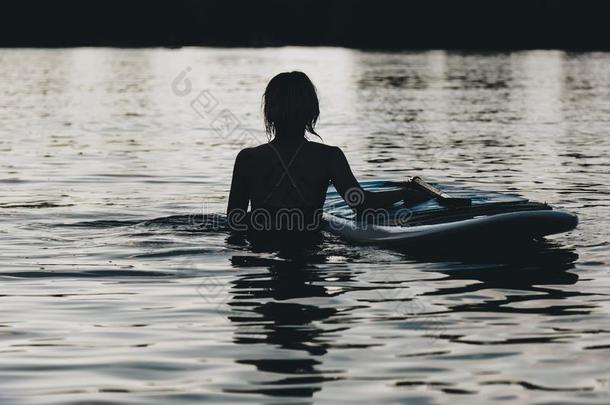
(492, 216)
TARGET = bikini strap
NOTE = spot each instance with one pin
(286, 168)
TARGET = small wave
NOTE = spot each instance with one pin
(172, 253)
(34, 204)
(191, 223)
(187, 223)
(86, 273)
(535, 387)
(103, 223)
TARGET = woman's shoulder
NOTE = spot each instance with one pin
(265, 148)
(251, 151)
(324, 148)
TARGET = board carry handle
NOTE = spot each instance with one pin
(442, 197)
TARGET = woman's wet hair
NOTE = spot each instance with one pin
(290, 105)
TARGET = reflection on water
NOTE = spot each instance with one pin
(120, 284)
(262, 315)
(263, 309)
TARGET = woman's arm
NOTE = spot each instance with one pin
(239, 196)
(356, 197)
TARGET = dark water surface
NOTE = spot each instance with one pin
(114, 164)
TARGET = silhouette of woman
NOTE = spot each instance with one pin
(285, 180)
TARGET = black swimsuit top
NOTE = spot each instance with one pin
(284, 177)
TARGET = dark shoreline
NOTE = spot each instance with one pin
(469, 25)
(450, 51)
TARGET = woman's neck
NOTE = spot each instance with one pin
(288, 140)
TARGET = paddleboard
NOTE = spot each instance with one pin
(491, 216)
